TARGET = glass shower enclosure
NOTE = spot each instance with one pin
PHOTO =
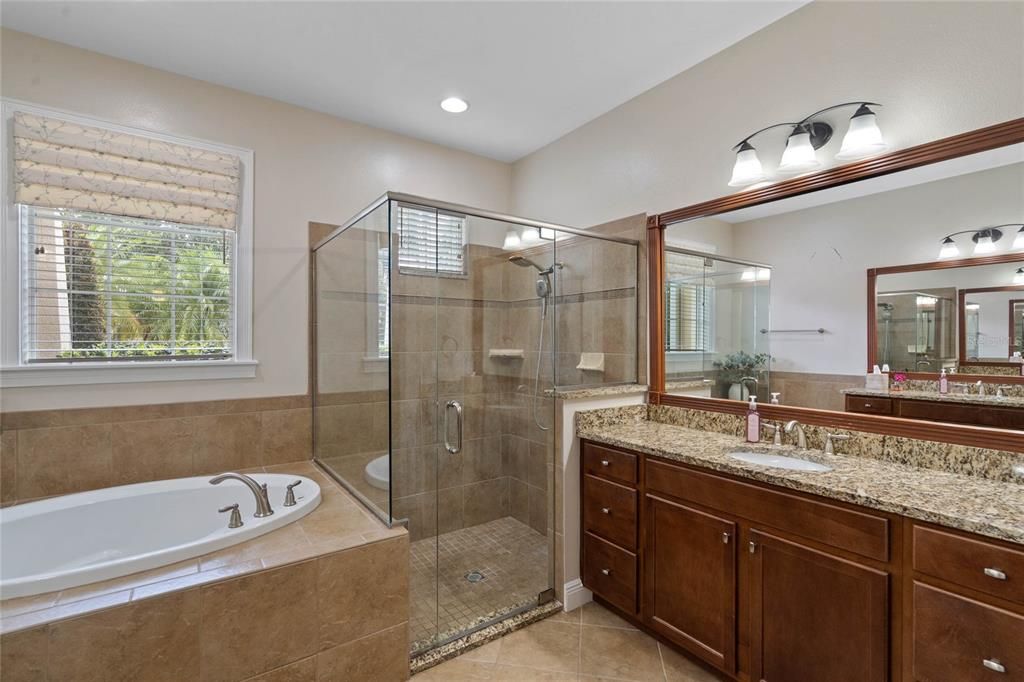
(439, 332)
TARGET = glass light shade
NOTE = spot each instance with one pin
(531, 235)
(799, 155)
(925, 301)
(1018, 241)
(863, 137)
(747, 170)
(512, 240)
(748, 275)
(972, 306)
(764, 274)
(984, 245)
(1018, 277)
(547, 233)
(949, 249)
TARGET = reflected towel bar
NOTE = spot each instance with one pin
(819, 330)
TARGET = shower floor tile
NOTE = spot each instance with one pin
(511, 557)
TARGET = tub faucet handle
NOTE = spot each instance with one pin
(236, 516)
(289, 496)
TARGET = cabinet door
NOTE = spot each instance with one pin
(690, 580)
(815, 616)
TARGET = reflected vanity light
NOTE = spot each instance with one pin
(1018, 277)
(926, 301)
(512, 241)
(863, 138)
(756, 275)
(984, 240)
(972, 306)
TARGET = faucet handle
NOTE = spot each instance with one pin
(831, 438)
(776, 429)
(289, 495)
(236, 516)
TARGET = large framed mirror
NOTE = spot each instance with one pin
(763, 292)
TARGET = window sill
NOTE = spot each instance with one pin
(124, 373)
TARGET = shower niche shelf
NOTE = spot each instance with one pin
(506, 353)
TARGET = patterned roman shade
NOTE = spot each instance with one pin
(61, 164)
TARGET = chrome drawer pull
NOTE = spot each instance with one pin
(752, 547)
(993, 664)
(867, 404)
(995, 573)
(605, 462)
(606, 571)
(606, 510)
(725, 538)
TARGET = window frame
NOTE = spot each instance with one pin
(15, 373)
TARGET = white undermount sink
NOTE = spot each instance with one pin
(779, 461)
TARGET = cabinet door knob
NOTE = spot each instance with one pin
(606, 571)
(605, 462)
(725, 538)
(752, 547)
(993, 664)
(995, 573)
(606, 510)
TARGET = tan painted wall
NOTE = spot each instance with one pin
(940, 68)
(308, 166)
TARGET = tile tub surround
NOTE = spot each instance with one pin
(328, 601)
(958, 500)
(338, 523)
(587, 644)
(934, 396)
(56, 452)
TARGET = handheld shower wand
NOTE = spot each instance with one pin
(543, 287)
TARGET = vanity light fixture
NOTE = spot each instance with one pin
(863, 138)
(984, 240)
(1018, 241)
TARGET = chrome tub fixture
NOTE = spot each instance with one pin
(263, 507)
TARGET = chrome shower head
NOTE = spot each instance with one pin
(524, 262)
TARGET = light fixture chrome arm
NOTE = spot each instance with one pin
(748, 138)
(859, 103)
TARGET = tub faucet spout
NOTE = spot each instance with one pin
(263, 507)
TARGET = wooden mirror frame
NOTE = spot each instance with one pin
(872, 322)
(965, 144)
(961, 315)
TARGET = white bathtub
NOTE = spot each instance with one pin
(77, 539)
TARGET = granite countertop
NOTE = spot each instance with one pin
(968, 398)
(969, 503)
(580, 392)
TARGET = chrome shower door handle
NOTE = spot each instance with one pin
(458, 426)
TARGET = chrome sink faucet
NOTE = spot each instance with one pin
(830, 441)
(801, 437)
(981, 387)
(259, 491)
(776, 429)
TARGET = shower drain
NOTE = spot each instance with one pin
(474, 576)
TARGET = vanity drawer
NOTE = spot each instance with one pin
(956, 638)
(866, 405)
(607, 463)
(860, 532)
(610, 572)
(979, 565)
(609, 510)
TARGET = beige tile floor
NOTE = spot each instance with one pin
(590, 644)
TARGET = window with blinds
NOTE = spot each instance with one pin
(431, 242)
(98, 287)
(689, 303)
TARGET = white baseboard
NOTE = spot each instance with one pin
(576, 595)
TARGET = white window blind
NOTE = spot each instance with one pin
(99, 288)
(431, 242)
(383, 317)
(689, 302)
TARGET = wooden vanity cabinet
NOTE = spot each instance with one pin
(939, 411)
(689, 594)
(759, 583)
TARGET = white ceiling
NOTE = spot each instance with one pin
(532, 71)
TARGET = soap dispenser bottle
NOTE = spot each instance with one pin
(943, 383)
(753, 422)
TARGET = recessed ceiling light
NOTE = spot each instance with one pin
(454, 105)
